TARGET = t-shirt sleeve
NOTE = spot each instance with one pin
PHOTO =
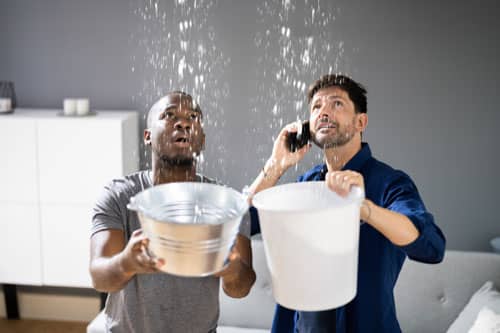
(107, 212)
(402, 196)
(245, 225)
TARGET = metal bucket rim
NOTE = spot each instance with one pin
(135, 206)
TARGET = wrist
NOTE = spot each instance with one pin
(124, 266)
(272, 169)
(366, 210)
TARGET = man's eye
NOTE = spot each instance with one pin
(169, 115)
(337, 103)
(194, 116)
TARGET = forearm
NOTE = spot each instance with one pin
(268, 177)
(108, 273)
(396, 227)
(239, 285)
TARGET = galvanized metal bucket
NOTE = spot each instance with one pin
(192, 226)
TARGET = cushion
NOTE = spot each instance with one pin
(98, 324)
(232, 329)
(257, 309)
(487, 321)
(487, 296)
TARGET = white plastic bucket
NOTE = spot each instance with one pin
(311, 237)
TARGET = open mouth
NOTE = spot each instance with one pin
(326, 126)
(181, 141)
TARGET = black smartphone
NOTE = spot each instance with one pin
(297, 140)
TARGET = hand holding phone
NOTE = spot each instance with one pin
(299, 139)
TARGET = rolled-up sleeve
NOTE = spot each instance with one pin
(402, 196)
(107, 212)
(245, 225)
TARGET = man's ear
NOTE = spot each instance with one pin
(147, 137)
(203, 141)
(362, 122)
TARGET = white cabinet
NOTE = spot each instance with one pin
(52, 170)
(65, 244)
(19, 164)
(20, 255)
(78, 156)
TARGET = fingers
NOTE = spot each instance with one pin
(303, 151)
(147, 262)
(159, 263)
(137, 237)
(151, 260)
(291, 128)
(140, 258)
(281, 154)
(137, 232)
(342, 181)
(285, 131)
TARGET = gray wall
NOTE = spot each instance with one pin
(431, 69)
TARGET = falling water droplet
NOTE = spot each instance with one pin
(275, 110)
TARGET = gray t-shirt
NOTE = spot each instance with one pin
(157, 302)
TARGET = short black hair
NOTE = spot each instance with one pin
(160, 105)
(356, 91)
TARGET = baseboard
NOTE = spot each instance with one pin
(55, 304)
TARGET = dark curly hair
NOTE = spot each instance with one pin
(356, 91)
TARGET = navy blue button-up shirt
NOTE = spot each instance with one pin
(373, 309)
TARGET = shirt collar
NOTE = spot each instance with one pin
(356, 162)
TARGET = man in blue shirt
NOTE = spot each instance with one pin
(395, 222)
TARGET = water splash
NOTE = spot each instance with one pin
(299, 42)
(180, 51)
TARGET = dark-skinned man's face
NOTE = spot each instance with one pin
(176, 133)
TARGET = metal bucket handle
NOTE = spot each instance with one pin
(132, 205)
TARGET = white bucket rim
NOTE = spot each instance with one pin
(356, 195)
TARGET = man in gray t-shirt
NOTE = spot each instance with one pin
(141, 298)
